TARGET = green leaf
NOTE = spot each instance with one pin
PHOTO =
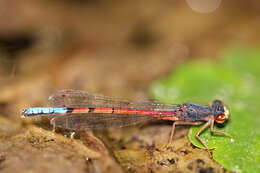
(235, 79)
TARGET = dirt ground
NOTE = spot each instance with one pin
(116, 48)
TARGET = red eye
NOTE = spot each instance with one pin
(221, 118)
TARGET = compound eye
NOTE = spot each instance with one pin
(220, 118)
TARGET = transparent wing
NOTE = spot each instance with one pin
(77, 98)
(97, 121)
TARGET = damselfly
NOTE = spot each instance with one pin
(79, 110)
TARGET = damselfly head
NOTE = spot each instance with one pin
(221, 112)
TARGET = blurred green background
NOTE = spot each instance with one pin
(120, 48)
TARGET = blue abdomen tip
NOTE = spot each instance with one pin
(43, 111)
